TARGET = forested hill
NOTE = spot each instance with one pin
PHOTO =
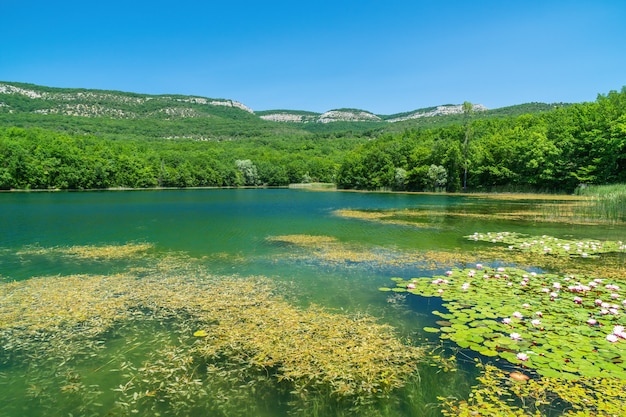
(54, 138)
(174, 116)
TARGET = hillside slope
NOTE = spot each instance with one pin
(177, 116)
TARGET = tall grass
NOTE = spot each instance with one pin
(608, 202)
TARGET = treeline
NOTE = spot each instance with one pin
(35, 158)
(552, 151)
(547, 151)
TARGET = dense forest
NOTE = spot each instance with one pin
(550, 148)
(552, 151)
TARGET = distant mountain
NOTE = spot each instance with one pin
(175, 116)
(18, 98)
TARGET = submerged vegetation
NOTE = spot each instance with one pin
(228, 340)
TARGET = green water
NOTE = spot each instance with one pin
(228, 231)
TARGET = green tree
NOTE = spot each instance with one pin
(438, 177)
(467, 112)
(248, 171)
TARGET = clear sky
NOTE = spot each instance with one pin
(383, 56)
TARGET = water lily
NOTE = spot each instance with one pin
(522, 356)
(410, 286)
(592, 322)
(612, 338)
(518, 315)
(539, 313)
(535, 322)
(515, 336)
(506, 320)
(578, 300)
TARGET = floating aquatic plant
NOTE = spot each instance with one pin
(550, 245)
(564, 326)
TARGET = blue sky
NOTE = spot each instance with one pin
(383, 56)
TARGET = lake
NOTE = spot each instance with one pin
(109, 295)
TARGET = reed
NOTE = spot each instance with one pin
(608, 202)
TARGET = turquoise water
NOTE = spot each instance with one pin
(228, 231)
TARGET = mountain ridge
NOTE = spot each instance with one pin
(120, 104)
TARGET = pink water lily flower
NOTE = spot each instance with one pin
(612, 338)
(518, 315)
(506, 320)
(410, 286)
(535, 322)
(592, 322)
(522, 356)
(578, 300)
(515, 336)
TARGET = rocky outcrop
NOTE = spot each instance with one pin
(95, 103)
(283, 117)
(348, 116)
(438, 111)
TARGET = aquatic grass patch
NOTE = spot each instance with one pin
(572, 209)
(332, 251)
(550, 245)
(502, 393)
(607, 202)
(525, 317)
(93, 252)
(396, 217)
(231, 343)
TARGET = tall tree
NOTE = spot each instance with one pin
(467, 112)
